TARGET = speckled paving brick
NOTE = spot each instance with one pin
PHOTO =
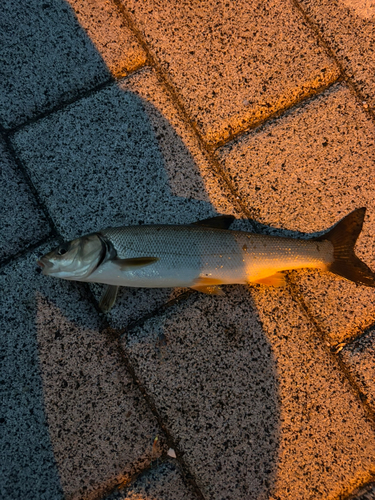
(73, 418)
(121, 156)
(45, 58)
(257, 406)
(233, 64)
(109, 32)
(163, 482)
(360, 359)
(304, 172)
(22, 222)
(348, 27)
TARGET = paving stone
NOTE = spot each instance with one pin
(348, 27)
(108, 31)
(22, 222)
(360, 358)
(233, 64)
(119, 157)
(46, 59)
(73, 418)
(256, 405)
(309, 169)
(164, 482)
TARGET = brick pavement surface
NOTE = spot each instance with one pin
(121, 112)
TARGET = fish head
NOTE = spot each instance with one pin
(74, 260)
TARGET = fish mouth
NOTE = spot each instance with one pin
(45, 265)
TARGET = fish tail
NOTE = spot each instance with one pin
(343, 238)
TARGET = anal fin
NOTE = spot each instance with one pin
(208, 285)
(210, 290)
(277, 280)
(108, 298)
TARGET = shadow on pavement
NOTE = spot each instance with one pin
(112, 158)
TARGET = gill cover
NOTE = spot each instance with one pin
(74, 260)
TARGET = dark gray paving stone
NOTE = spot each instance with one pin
(46, 58)
(73, 419)
(122, 156)
(163, 482)
(22, 222)
(253, 401)
(360, 359)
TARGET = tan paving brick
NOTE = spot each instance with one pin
(233, 64)
(55, 358)
(304, 172)
(258, 408)
(348, 27)
(109, 32)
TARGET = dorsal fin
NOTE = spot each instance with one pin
(219, 222)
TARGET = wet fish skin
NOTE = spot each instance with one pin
(204, 255)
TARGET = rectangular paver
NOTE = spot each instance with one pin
(304, 172)
(348, 28)
(72, 418)
(121, 156)
(233, 64)
(22, 222)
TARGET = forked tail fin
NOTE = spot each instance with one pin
(343, 238)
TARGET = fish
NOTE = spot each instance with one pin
(202, 256)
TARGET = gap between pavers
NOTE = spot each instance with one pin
(75, 425)
(22, 222)
(359, 356)
(162, 482)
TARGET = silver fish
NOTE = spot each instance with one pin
(202, 256)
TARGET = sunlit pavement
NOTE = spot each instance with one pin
(120, 112)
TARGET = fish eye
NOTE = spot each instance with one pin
(61, 250)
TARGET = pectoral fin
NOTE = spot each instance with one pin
(108, 298)
(134, 263)
(277, 279)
